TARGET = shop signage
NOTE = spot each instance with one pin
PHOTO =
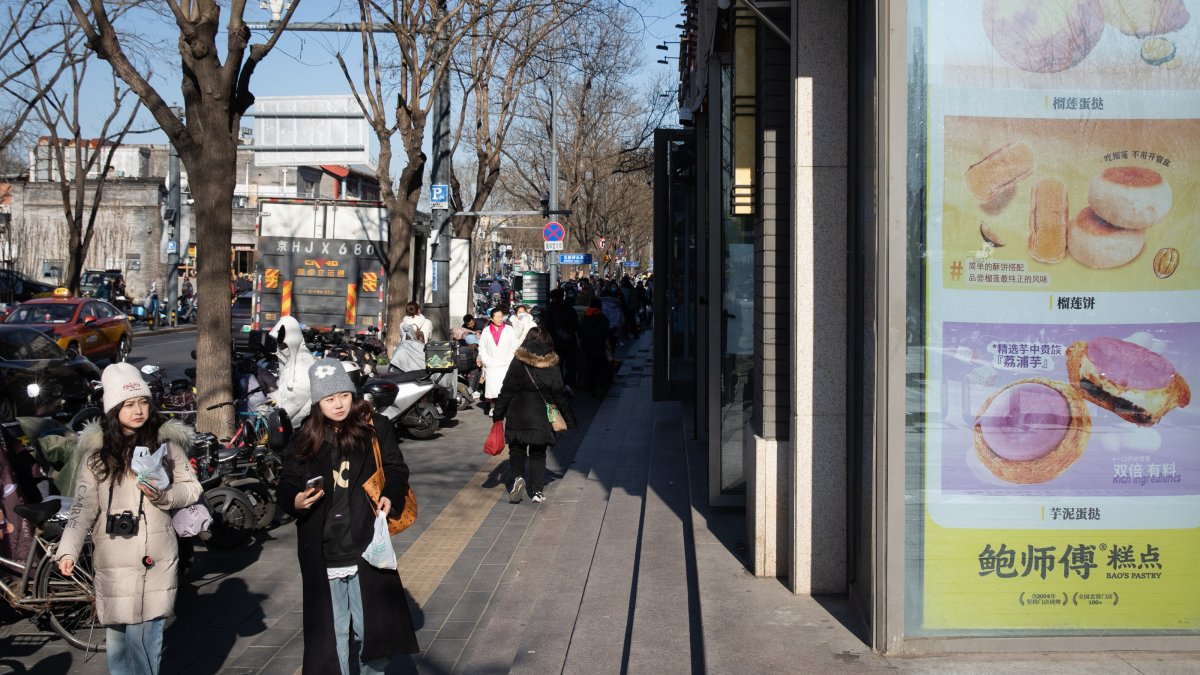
(1054, 442)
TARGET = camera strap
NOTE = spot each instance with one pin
(141, 500)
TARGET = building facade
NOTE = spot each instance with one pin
(926, 272)
(129, 232)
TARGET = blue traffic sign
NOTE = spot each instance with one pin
(439, 196)
(631, 263)
(554, 232)
(575, 259)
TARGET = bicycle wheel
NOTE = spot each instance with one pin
(71, 602)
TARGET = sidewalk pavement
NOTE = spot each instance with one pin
(623, 569)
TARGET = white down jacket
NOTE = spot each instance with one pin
(292, 393)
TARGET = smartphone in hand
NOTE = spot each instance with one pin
(316, 483)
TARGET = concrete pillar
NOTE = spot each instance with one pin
(819, 260)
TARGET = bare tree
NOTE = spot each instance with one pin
(408, 47)
(30, 39)
(604, 131)
(494, 69)
(61, 110)
(215, 85)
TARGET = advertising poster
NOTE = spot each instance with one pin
(1060, 449)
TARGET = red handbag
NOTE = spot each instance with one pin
(494, 444)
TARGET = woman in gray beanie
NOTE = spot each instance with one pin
(324, 468)
(135, 554)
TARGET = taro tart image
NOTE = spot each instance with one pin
(1135, 383)
(1032, 430)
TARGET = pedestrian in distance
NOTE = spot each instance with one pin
(533, 383)
(134, 554)
(564, 327)
(467, 339)
(522, 320)
(414, 325)
(152, 304)
(321, 486)
(597, 349)
(497, 344)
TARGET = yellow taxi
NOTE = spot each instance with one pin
(89, 326)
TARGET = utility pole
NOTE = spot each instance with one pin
(552, 256)
(439, 309)
(173, 206)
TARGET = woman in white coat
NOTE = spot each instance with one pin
(522, 320)
(497, 344)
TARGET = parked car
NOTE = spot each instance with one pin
(16, 287)
(37, 377)
(93, 328)
(241, 318)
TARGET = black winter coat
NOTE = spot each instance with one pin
(389, 626)
(521, 406)
(593, 333)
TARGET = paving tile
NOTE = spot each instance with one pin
(275, 637)
(470, 607)
(441, 656)
(443, 603)
(282, 666)
(255, 657)
(456, 630)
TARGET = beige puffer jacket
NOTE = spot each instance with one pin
(128, 592)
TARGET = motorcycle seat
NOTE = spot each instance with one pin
(401, 377)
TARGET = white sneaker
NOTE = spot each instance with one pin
(538, 498)
(517, 492)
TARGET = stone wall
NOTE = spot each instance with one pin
(128, 230)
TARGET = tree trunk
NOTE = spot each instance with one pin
(212, 193)
(76, 253)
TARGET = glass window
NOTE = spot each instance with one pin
(42, 313)
(1053, 483)
(737, 308)
(12, 345)
(41, 347)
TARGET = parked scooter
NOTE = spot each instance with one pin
(400, 397)
(440, 400)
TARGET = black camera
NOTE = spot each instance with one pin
(122, 524)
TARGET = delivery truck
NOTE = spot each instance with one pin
(321, 261)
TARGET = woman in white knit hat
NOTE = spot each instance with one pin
(135, 553)
(324, 468)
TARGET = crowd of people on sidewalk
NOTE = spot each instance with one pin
(343, 478)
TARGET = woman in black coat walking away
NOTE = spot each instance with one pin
(324, 468)
(533, 382)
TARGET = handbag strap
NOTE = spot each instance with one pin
(535, 387)
(378, 458)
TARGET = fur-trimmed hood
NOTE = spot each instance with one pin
(536, 354)
(172, 431)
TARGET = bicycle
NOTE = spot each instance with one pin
(67, 603)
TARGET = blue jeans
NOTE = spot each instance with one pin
(136, 648)
(347, 610)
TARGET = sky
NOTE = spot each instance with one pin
(305, 63)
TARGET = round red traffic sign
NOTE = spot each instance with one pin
(554, 232)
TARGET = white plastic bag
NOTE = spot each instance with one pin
(149, 465)
(379, 552)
